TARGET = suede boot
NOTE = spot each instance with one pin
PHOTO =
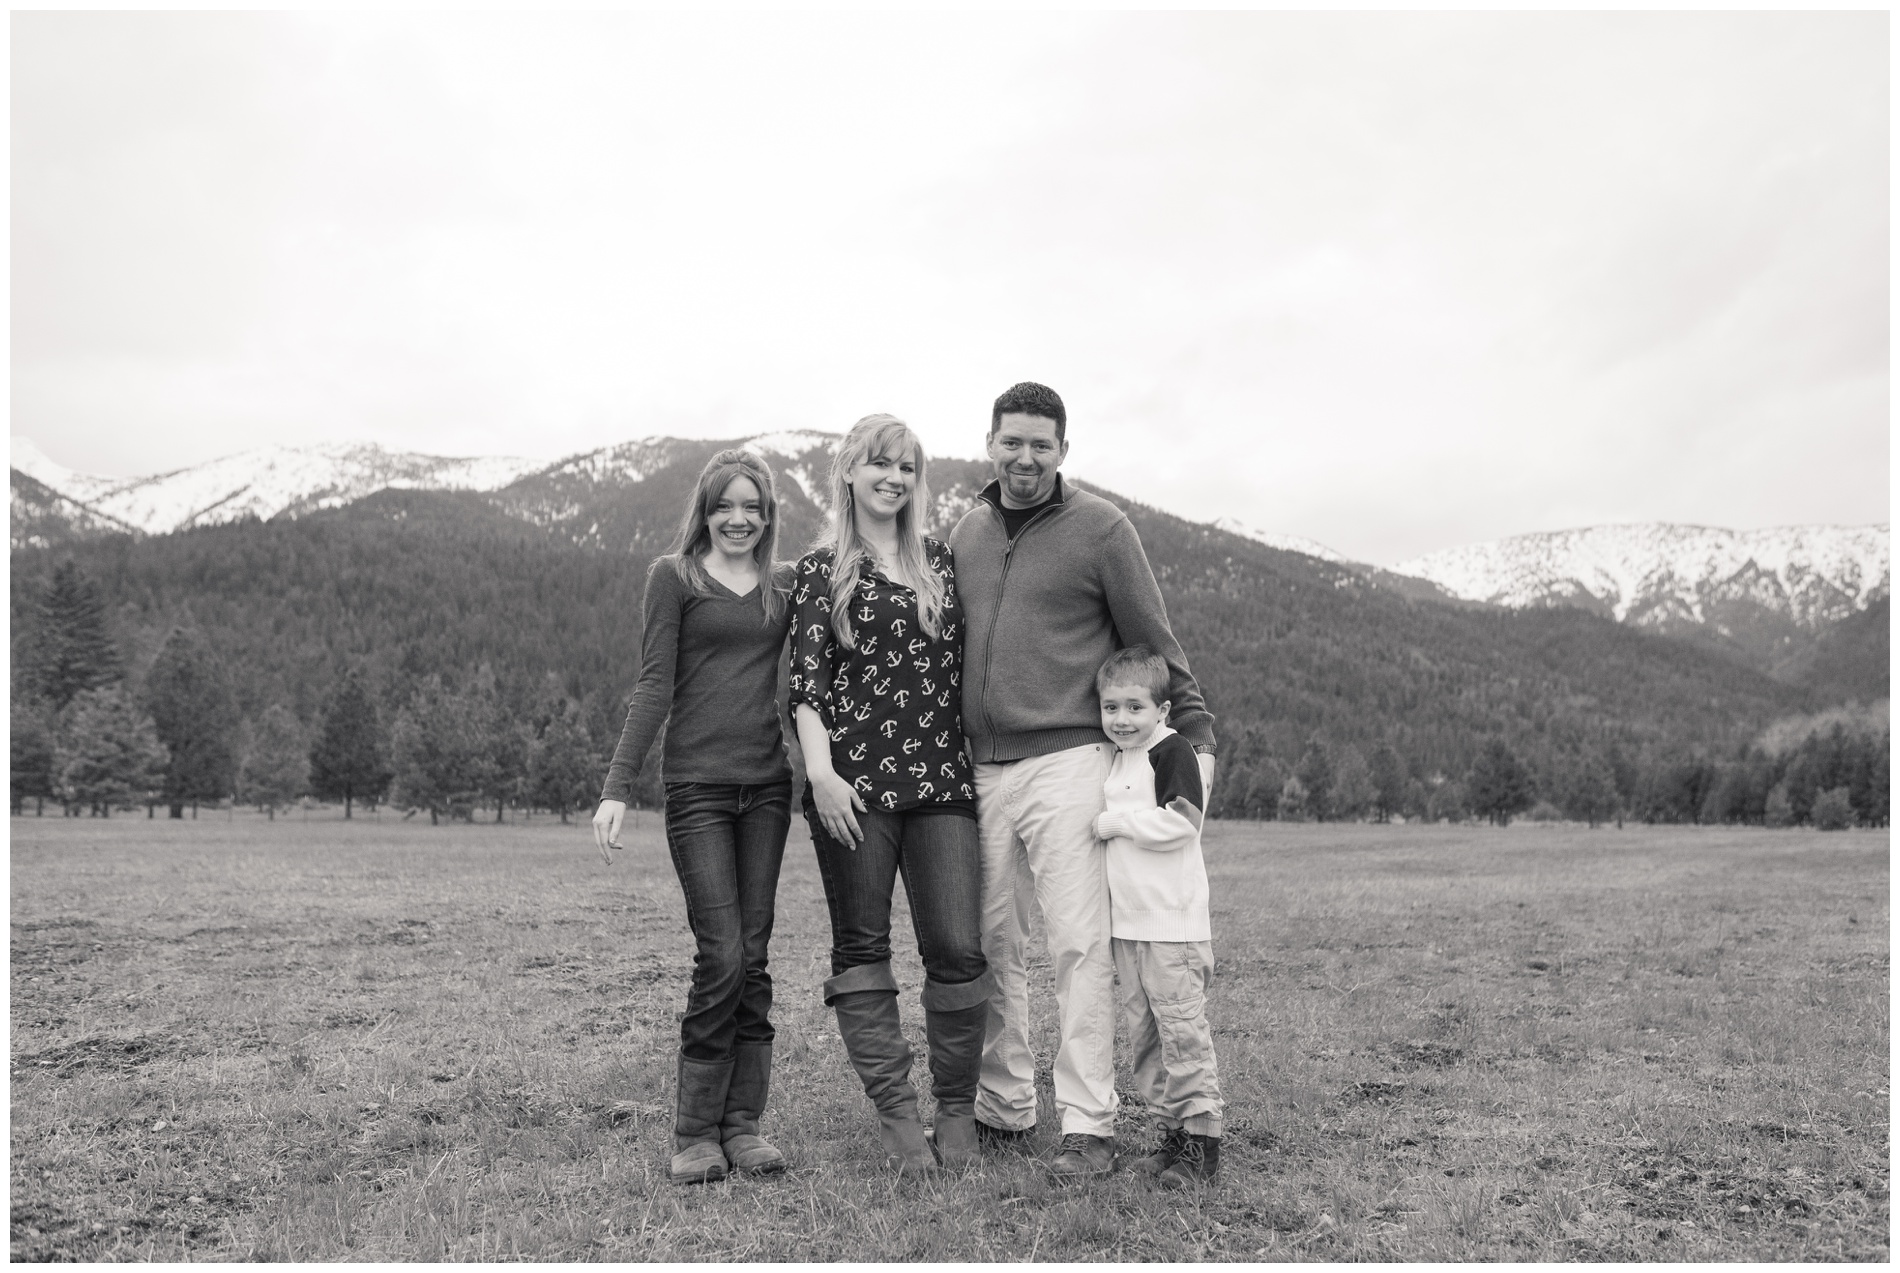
(954, 1018)
(865, 999)
(701, 1104)
(745, 1149)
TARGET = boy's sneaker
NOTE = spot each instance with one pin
(1172, 1139)
(1084, 1156)
(1195, 1164)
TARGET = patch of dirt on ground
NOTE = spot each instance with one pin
(107, 1052)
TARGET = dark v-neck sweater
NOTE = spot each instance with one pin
(709, 673)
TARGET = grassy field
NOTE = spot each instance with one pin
(322, 1040)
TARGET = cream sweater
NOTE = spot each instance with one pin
(1157, 883)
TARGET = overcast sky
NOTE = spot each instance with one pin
(1394, 282)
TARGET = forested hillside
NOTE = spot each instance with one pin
(536, 589)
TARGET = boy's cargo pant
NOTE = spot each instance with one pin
(1163, 996)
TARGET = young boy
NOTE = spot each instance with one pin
(1157, 889)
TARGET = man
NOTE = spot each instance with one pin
(1053, 581)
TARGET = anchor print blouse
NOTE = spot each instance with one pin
(893, 706)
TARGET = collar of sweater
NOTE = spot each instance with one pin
(993, 495)
(1161, 732)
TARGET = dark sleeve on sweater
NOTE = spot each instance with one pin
(1141, 618)
(1177, 775)
(653, 696)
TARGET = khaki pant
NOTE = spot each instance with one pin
(1036, 819)
(1163, 992)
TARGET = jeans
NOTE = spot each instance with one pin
(727, 841)
(1040, 855)
(937, 855)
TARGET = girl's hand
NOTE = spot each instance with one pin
(607, 820)
(835, 799)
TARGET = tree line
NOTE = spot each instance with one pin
(1829, 771)
(85, 739)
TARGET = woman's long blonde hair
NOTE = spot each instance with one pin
(695, 537)
(869, 438)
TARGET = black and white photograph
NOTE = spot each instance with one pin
(956, 637)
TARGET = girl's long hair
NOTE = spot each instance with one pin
(869, 438)
(695, 537)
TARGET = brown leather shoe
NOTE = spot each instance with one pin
(1083, 1157)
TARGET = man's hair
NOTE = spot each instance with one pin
(1030, 398)
(1137, 665)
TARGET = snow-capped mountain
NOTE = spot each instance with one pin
(263, 483)
(1656, 574)
(1287, 543)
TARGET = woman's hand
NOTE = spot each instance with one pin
(607, 820)
(836, 799)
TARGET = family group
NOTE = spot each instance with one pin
(1006, 721)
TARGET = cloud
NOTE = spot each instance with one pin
(1390, 281)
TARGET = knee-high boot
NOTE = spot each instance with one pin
(865, 999)
(955, 1015)
(701, 1103)
(746, 1150)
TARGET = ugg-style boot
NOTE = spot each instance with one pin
(746, 1150)
(954, 1018)
(865, 999)
(701, 1104)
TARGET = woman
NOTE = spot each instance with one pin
(716, 618)
(876, 661)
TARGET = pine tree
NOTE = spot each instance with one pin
(73, 651)
(276, 767)
(347, 761)
(191, 705)
(1447, 802)
(1294, 802)
(1315, 772)
(1833, 810)
(33, 769)
(441, 750)
(1499, 785)
(562, 772)
(1592, 794)
(108, 752)
(1353, 790)
(1388, 782)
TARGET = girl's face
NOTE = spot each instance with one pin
(737, 520)
(882, 484)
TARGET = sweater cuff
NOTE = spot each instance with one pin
(1111, 826)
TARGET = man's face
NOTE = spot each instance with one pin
(1026, 453)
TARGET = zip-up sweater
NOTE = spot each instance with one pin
(1157, 882)
(1041, 616)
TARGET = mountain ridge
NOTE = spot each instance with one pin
(1763, 597)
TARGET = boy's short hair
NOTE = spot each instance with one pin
(1030, 398)
(1136, 665)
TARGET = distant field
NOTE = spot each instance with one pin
(320, 1040)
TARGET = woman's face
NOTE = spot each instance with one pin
(882, 484)
(738, 518)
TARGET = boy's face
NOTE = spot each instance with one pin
(1130, 715)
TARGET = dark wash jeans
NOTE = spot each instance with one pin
(938, 855)
(727, 842)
